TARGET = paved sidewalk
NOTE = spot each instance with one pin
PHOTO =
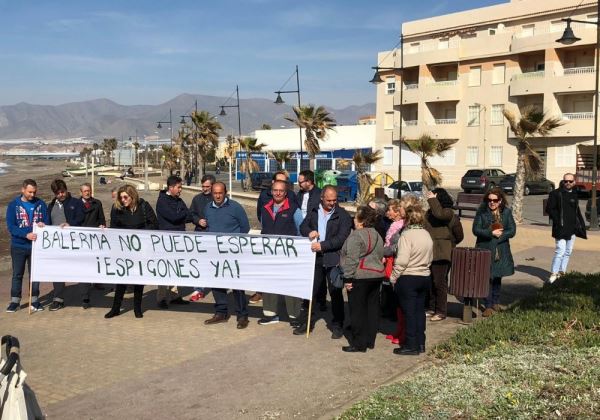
(169, 365)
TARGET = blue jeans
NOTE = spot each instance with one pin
(239, 297)
(412, 293)
(20, 257)
(494, 295)
(562, 253)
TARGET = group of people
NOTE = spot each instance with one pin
(395, 253)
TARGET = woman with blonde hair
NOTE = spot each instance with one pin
(411, 274)
(130, 212)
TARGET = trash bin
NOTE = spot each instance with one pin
(470, 276)
(347, 186)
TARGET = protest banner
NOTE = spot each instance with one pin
(276, 264)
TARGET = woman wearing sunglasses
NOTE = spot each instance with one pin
(494, 226)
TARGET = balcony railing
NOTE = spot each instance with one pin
(410, 123)
(578, 116)
(579, 70)
(445, 121)
(410, 86)
(444, 83)
(529, 75)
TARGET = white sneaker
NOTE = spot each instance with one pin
(553, 277)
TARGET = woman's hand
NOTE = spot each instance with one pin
(393, 281)
(431, 195)
(348, 286)
(497, 232)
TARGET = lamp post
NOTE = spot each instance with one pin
(170, 122)
(377, 79)
(569, 38)
(280, 101)
(223, 113)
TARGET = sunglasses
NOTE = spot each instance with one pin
(494, 200)
(570, 181)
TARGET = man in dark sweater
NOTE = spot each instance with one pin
(64, 210)
(567, 223)
(199, 203)
(309, 196)
(224, 215)
(172, 214)
(93, 217)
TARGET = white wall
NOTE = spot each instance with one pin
(343, 137)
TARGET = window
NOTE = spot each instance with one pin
(323, 164)
(475, 76)
(388, 121)
(496, 156)
(566, 156)
(390, 85)
(540, 66)
(473, 119)
(528, 30)
(492, 31)
(497, 114)
(557, 26)
(472, 156)
(388, 156)
(415, 47)
(498, 74)
(444, 44)
(592, 18)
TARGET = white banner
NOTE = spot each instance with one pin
(266, 263)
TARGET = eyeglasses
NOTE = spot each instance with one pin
(570, 181)
(494, 200)
(124, 197)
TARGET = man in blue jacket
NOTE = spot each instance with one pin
(64, 210)
(172, 214)
(226, 216)
(22, 214)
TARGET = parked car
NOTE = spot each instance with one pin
(405, 187)
(538, 186)
(588, 207)
(481, 180)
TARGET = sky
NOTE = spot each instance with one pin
(147, 52)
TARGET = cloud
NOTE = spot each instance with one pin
(66, 25)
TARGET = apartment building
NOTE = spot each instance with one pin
(461, 70)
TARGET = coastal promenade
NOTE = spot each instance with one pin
(170, 365)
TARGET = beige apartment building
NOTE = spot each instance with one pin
(461, 70)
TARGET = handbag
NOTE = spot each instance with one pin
(336, 277)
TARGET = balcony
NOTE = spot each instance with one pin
(577, 124)
(430, 53)
(444, 128)
(446, 90)
(410, 95)
(527, 83)
(575, 79)
(547, 36)
(483, 46)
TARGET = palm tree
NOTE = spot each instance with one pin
(170, 154)
(362, 160)
(315, 122)
(532, 122)
(85, 154)
(136, 145)
(206, 136)
(183, 144)
(427, 147)
(282, 158)
(108, 145)
(249, 145)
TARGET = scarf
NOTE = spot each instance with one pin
(394, 228)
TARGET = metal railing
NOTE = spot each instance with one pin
(409, 123)
(444, 121)
(529, 75)
(410, 86)
(579, 70)
(578, 116)
(444, 83)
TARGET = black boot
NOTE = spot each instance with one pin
(116, 307)
(138, 291)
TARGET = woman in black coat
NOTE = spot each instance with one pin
(130, 212)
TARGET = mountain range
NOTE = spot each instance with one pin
(102, 118)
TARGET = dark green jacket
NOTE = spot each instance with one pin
(502, 260)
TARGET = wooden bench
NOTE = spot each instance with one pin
(467, 201)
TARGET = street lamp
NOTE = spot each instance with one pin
(280, 101)
(170, 122)
(223, 113)
(377, 79)
(569, 38)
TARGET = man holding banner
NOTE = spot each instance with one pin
(172, 214)
(327, 227)
(24, 212)
(224, 215)
(280, 216)
(64, 210)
